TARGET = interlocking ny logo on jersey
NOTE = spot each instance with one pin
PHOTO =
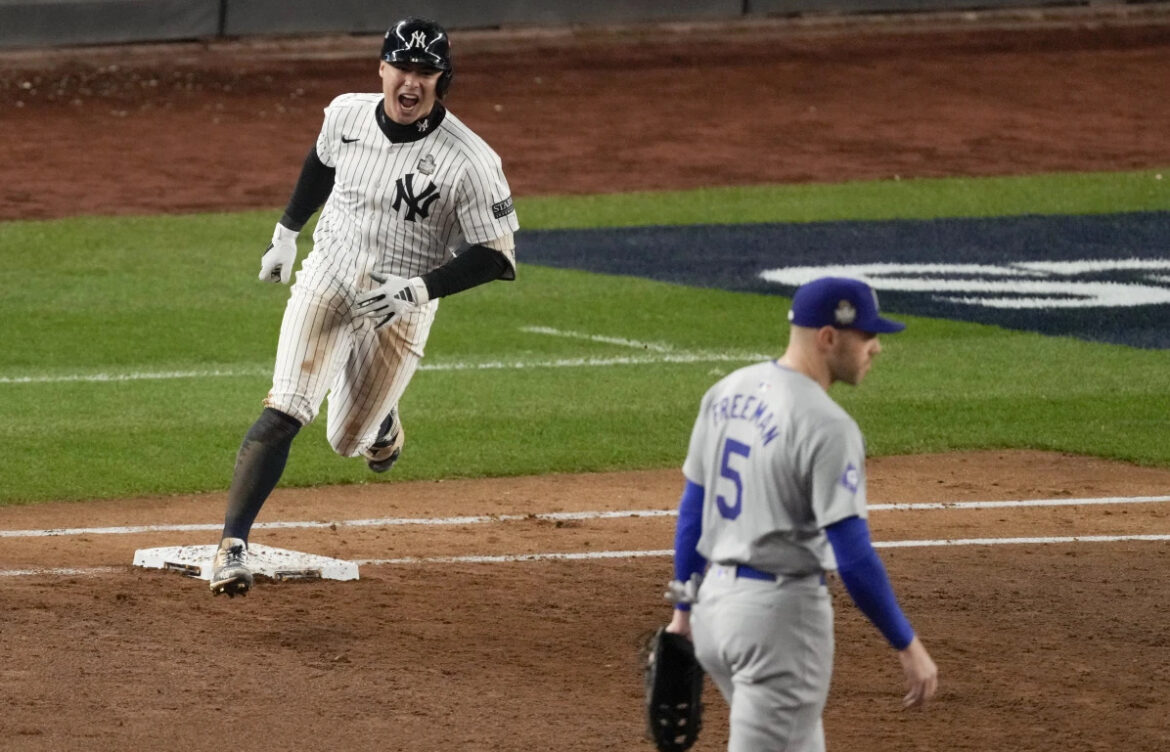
(416, 205)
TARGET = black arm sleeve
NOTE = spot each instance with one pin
(475, 266)
(313, 187)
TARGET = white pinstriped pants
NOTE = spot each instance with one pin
(323, 350)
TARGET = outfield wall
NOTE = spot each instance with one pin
(49, 23)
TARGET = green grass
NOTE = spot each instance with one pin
(1066, 193)
(117, 298)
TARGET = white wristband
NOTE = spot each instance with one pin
(421, 296)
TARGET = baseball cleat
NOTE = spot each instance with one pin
(384, 452)
(230, 573)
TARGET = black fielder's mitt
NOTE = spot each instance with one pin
(674, 685)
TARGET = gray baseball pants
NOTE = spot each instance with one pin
(769, 648)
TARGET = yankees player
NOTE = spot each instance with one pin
(774, 498)
(405, 186)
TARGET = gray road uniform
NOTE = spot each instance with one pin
(779, 461)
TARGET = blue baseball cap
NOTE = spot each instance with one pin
(842, 303)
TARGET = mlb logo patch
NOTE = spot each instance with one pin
(850, 478)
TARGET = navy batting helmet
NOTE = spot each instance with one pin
(421, 41)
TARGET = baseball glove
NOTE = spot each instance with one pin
(674, 684)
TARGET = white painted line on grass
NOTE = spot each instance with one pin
(133, 376)
(551, 516)
(311, 524)
(636, 344)
(673, 357)
(683, 357)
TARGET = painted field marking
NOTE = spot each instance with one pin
(1020, 541)
(100, 378)
(576, 556)
(311, 524)
(671, 358)
(508, 558)
(1016, 285)
(660, 347)
(1067, 502)
(60, 571)
(552, 516)
(581, 556)
(628, 360)
(663, 352)
(633, 554)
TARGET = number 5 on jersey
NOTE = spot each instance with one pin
(730, 447)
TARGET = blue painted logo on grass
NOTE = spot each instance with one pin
(1103, 278)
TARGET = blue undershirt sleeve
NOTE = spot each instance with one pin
(687, 560)
(866, 580)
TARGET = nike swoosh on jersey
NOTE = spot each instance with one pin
(345, 140)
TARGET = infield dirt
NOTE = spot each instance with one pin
(1040, 646)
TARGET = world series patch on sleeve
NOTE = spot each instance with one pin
(674, 685)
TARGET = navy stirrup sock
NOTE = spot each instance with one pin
(259, 465)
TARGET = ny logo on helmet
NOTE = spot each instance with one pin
(416, 205)
(417, 39)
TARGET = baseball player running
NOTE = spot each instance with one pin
(774, 498)
(416, 207)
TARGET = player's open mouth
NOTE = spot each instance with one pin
(407, 101)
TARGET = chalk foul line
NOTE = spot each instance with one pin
(550, 516)
(61, 572)
(590, 555)
(629, 554)
(586, 555)
(1058, 502)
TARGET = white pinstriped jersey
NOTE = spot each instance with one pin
(779, 461)
(401, 207)
(405, 208)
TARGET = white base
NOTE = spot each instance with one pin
(277, 563)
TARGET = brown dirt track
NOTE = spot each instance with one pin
(1041, 646)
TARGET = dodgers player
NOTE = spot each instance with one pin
(774, 498)
(405, 185)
